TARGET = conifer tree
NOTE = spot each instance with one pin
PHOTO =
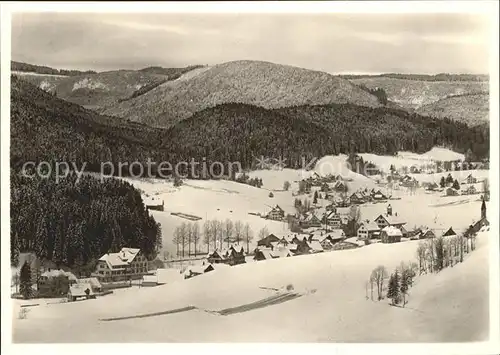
(25, 281)
(315, 199)
(393, 291)
(403, 288)
(456, 185)
(442, 183)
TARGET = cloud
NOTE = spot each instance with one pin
(329, 42)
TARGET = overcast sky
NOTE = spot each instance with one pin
(335, 43)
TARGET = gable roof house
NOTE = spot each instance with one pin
(450, 232)
(378, 195)
(469, 180)
(55, 283)
(309, 220)
(128, 263)
(390, 234)
(450, 191)
(315, 246)
(276, 213)
(93, 282)
(80, 290)
(368, 230)
(385, 220)
(266, 242)
(356, 198)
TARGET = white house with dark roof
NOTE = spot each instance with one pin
(276, 213)
(368, 230)
(128, 263)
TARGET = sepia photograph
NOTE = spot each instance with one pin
(215, 173)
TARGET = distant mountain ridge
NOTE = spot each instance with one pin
(260, 83)
(422, 77)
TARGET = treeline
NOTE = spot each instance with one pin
(40, 69)
(189, 238)
(424, 77)
(143, 90)
(171, 73)
(73, 223)
(379, 93)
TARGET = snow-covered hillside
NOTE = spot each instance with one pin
(332, 307)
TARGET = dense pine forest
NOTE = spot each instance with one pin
(73, 223)
(45, 128)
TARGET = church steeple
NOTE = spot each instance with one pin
(483, 210)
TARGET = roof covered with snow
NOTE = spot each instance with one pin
(370, 226)
(56, 273)
(392, 220)
(78, 290)
(123, 258)
(392, 231)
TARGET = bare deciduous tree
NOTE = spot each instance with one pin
(379, 274)
(248, 234)
(238, 231)
(228, 231)
(195, 232)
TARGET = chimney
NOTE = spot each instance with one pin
(389, 210)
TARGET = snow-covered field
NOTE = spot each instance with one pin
(445, 307)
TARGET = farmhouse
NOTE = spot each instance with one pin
(80, 290)
(153, 203)
(335, 236)
(356, 198)
(469, 190)
(390, 234)
(128, 263)
(55, 283)
(326, 244)
(234, 255)
(450, 232)
(266, 242)
(276, 213)
(388, 219)
(450, 191)
(368, 230)
(432, 186)
(198, 270)
(378, 196)
(426, 233)
(340, 186)
(93, 282)
(332, 219)
(309, 220)
(315, 247)
(469, 180)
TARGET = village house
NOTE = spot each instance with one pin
(335, 236)
(331, 207)
(127, 264)
(55, 283)
(276, 213)
(390, 234)
(469, 190)
(266, 241)
(469, 180)
(368, 230)
(378, 196)
(332, 219)
(340, 186)
(388, 219)
(432, 186)
(449, 233)
(483, 222)
(196, 270)
(80, 290)
(234, 255)
(93, 282)
(426, 234)
(153, 203)
(309, 220)
(450, 191)
(315, 246)
(326, 244)
(356, 198)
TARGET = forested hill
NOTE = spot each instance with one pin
(71, 223)
(239, 132)
(40, 69)
(44, 128)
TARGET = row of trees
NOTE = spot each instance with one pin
(213, 234)
(433, 255)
